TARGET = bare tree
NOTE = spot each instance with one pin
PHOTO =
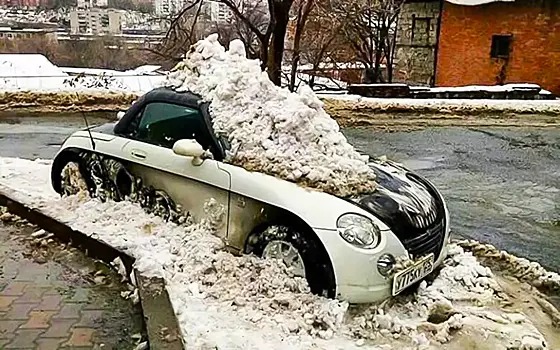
(253, 28)
(321, 41)
(370, 29)
(271, 39)
(304, 8)
(184, 29)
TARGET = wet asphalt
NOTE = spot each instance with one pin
(502, 186)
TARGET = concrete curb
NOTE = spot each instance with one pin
(159, 318)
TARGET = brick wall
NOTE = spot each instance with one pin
(466, 39)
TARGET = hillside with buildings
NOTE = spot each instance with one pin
(418, 42)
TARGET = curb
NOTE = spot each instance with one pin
(159, 318)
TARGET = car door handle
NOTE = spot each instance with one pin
(138, 154)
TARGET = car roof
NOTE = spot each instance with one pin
(162, 94)
(165, 94)
(168, 95)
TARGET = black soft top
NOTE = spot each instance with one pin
(162, 94)
(168, 95)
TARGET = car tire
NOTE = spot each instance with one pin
(317, 265)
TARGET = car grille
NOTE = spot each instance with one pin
(430, 241)
(423, 221)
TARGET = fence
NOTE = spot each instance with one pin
(100, 83)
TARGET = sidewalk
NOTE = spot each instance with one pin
(56, 298)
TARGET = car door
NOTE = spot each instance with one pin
(152, 135)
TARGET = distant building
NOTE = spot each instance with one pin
(23, 3)
(96, 21)
(212, 10)
(479, 42)
(85, 4)
(10, 33)
(219, 12)
(168, 7)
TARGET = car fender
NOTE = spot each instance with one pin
(318, 209)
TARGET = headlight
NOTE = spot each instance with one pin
(358, 231)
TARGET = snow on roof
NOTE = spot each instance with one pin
(489, 88)
(27, 65)
(271, 130)
(475, 2)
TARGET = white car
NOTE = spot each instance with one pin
(164, 154)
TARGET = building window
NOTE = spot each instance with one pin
(105, 21)
(420, 30)
(501, 45)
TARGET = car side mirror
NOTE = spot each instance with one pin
(189, 148)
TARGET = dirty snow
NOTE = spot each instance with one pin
(271, 130)
(228, 302)
(442, 106)
(526, 270)
(489, 88)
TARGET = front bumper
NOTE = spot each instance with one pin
(355, 269)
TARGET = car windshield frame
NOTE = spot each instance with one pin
(164, 95)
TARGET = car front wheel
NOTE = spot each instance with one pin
(302, 253)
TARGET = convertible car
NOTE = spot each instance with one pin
(164, 154)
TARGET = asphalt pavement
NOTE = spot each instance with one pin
(502, 185)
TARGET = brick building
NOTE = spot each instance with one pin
(500, 42)
(479, 42)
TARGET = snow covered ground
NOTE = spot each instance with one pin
(34, 72)
(445, 105)
(489, 88)
(228, 302)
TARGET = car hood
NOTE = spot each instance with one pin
(406, 202)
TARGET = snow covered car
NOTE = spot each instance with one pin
(164, 154)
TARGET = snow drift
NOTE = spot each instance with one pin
(271, 130)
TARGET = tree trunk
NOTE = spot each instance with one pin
(263, 48)
(276, 51)
(377, 66)
(303, 13)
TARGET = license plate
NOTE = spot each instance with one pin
(413, 274)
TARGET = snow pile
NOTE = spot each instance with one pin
(460, 298)
(489, 88)
(34, 72)
(530, 271)
(22, 178)
(271, 130)
(27, 65)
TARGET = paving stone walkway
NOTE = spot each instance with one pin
(53, 297)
